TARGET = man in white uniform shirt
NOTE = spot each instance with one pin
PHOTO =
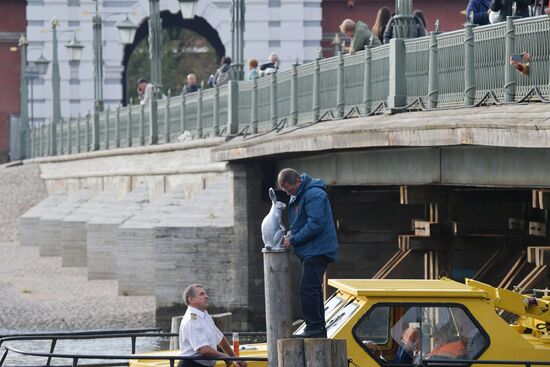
(198, 336)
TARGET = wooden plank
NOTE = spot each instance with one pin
(339, 353)
(424, 228)
(318, 352)
(537, 229)
(509, 277)
(290, 353)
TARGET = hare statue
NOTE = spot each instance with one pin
(272, 228)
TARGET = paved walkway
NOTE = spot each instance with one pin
(36, 293)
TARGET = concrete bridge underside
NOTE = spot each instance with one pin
(463, 192)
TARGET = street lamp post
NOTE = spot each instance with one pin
(237, 36)
(155, 45)
(75, 49)
(404, 20)
(127, 31)
(24, 103)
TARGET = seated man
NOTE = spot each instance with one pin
(409, 347)
(448, 344)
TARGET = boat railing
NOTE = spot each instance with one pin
(133, 334)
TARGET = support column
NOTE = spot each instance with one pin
(277, 300)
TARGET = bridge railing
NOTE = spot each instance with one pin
(459, 68)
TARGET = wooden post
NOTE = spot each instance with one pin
(277, 300)
(175, 328)
(312, 353)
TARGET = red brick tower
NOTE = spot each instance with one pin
(13, 24)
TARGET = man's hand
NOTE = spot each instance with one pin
(286, 241)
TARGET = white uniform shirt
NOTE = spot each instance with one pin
(197, 330)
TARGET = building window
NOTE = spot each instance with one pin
(274, 23)
(274, 3)
(273, 44)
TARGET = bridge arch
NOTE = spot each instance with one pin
(171, 18)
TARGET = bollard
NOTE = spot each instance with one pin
(433, 76)
(469, 67)
(312, 353)
(274, 100)
(509, 71)
(367, 82)
(277, 299)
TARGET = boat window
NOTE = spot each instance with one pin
(403, 334)
(340, 317)
(331, 305)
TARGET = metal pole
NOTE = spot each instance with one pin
(367, 82)
(294, 95)
(254, 109)
(98, 60)
(56, 87)
(316, 106)
(340, 99)
(274, 100)
(155, 46)
(24, 103)
(237, 36)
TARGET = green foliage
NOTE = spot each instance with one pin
(184, 52)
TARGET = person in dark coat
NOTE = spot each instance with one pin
(505, 8)
(477, 11)
(313, 236)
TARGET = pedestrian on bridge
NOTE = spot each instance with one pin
(360, 35)
(313, 236)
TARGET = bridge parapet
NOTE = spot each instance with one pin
(463, 67)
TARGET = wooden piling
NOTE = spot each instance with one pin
(277, 300)
(312, 353)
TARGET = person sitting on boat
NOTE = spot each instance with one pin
(448, 344)
(198, 335)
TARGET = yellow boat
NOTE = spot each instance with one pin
(408, 321)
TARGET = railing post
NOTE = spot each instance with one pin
(42, 143)
(367, 82)
(61, 136)
(397, 96)
(274, 100)
(33, 140)
(433, 76)
(254, 107)
(469, 70)
(69, 135)
(107, 115)
(216, 110)
(88, 118)
(183, 122)
(142, 125)
(199, 114)
(509, 72)
(167, 119)
(129, 126)
(340, 99)
(117, 127)
(95, 131)
(153, 122)
(232, 107)
(294, 95)
(316, 106)
(78, 134)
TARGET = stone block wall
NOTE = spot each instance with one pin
(29, 222)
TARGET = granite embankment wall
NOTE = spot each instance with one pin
(168, 216)
(20, 189)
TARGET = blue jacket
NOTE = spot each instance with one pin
(311, 224)
(479, 8)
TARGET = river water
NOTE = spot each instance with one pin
(90, 346)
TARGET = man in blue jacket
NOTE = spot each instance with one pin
(313, 236)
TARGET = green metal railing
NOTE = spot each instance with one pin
(459, 68)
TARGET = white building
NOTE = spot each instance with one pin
(290, 28)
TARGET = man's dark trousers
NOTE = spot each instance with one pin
(311, 295)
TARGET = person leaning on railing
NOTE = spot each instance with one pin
(360, 35)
